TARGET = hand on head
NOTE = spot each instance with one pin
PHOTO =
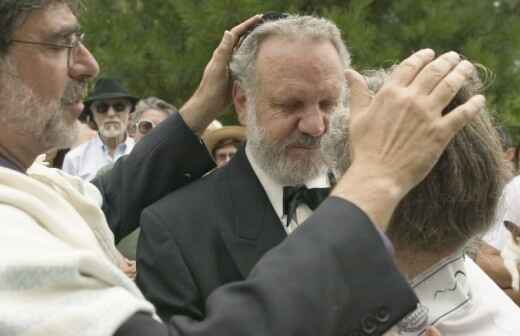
(401, 132)
(214, 92)
(398, 135)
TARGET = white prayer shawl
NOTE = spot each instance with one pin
(458, 298)
(58, 263)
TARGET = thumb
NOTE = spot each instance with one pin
(359, 93)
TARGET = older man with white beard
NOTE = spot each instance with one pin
(107, 110)
(285, 92)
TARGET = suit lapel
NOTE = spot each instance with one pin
(255, 226)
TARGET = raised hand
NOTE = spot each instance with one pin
(214, 92)
(398, 135)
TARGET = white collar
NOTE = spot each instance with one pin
(442, 290)
(120, 147)
(274, 190)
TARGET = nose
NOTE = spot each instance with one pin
(314, 122)
(85, 66)
(111, 112)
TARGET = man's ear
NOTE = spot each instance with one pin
(240, 102)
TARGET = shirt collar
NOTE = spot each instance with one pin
(442, 289)
(274, 190)
(120, 148)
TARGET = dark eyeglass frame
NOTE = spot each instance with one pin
(103, 107)
(139, 126)
(266, 17)
(79, 39)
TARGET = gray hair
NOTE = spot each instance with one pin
(152, 103)
(243, 63)
(13, 14)
(458, 198)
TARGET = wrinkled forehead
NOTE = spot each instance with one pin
(48, 23)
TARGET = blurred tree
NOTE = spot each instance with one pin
(160, 47)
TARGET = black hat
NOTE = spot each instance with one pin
(106, 88)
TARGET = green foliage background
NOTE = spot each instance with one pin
(160, 47)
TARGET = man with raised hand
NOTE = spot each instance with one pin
(57, 269)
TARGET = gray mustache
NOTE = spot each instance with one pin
(74, 93)
(303, 140)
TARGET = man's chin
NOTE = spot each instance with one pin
(296, 154)
(109, 134)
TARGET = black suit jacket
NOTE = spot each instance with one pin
(166, 159)
(215, 230)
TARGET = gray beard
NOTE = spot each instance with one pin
(39, 123)
(272, 157)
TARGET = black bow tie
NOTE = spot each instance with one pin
(294, 196)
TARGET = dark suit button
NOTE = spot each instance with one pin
(369, 325)
(383, 315)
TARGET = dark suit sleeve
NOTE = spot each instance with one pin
(166, 159)
(164, 277)
(332, 276)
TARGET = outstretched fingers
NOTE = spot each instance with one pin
(434, 73)
(451, 84)
(454, 121)
(408, 69)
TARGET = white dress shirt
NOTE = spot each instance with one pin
(85, 160)
(458, 298)
(508, 209)
(274, 192)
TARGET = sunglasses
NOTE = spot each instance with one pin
(145, 126)
(118, 107)
(266, 17)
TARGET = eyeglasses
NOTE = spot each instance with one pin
(145, 126)
(72, 47)
(102, 107)
(266, 17)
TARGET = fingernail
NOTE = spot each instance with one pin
(467, 67)
(427, 52)
(480, 101)
(452, 56)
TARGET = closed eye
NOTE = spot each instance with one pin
(328, 106)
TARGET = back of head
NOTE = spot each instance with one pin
(243, 63)
(458, 198)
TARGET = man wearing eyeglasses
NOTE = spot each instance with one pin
(107, 110)
(149, 113)
(58, 274)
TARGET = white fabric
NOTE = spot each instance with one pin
(274, 192)
(508, 209)
(58, 263)
(458, 298)
(85, 160)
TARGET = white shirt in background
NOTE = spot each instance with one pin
(85, 160)
(508, 209)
